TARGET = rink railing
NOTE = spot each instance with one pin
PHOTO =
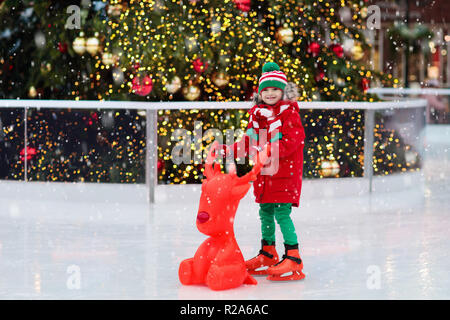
(384, 92)
(413, 93)
(151, 176)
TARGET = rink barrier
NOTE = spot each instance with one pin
(152, 121)
(409, 91)
(413, 93)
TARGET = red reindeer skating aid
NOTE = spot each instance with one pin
(218, 262)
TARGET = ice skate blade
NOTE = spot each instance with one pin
(288, 276)
(261, 271)
(258, 273)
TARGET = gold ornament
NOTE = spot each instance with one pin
(92, 45)
(174, 85)
(191, 92)
(115, 10)
(220, 79)
(357, 52)
(109, 58)
(364, 12)
(46, 68)
(340, 82)
(191, 43)
(329, 168)
(79, 45)
(215, 27)
(285, 35)
(118, 76)
(32, 93)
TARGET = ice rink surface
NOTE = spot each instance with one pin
(92, 241)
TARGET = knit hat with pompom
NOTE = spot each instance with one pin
(272, 77)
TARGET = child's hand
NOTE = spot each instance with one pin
(258, 149)
(263, 112)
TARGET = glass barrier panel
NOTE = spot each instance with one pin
(398, 140)
(333, 146)
(11, 143)
(86, 145)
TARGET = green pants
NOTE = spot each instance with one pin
(268, 213)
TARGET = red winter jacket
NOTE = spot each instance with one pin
(285, 185)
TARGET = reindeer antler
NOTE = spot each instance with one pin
(260, 161)
(211, 168)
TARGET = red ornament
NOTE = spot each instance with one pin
(142, 86)
(200, 66)
(365, 84)
(136, 66)
(31, 152)
(314, 49)
(338, 50)
(320, 75)
(92, 118)
(160, 164)
(218, 262)
(243, 5)
(62, 47)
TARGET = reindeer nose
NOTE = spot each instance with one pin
(202, 217)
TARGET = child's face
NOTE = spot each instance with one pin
(271, 95)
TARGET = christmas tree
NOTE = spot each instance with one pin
(203, 50)
(214, 50)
